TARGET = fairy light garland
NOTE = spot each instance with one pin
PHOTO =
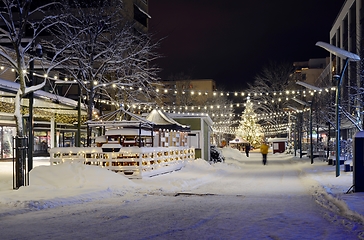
(192, 92)
(275, 97)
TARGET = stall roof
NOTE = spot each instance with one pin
(162, 120)
(113, 120)
(128, 132)
(204, 116)
(42, 99)
(155, 120)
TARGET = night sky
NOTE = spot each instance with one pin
(230, 41)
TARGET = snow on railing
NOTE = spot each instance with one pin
(133, 162)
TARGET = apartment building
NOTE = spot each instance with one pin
(347, 33)
(310, 71)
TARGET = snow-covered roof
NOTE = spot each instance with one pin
(128, 132)
(158, 117)
(111, 120)
(42, 99)
(161, 119)
(277, 140)
(154, 120)
(204, 116)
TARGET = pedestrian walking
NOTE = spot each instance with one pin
(264, 150)
(247, 149)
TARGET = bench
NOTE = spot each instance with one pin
(332, 160)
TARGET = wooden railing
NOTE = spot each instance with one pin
(133, 162)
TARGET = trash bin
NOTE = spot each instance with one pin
(358, 162)
(347, 167)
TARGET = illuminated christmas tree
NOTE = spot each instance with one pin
(249, 129)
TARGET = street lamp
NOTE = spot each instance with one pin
(316, 89)
(309, 104)
(328, 139)
(349, 57)
(297, 138)
(35, 52)
(311, 141)
(78, 135)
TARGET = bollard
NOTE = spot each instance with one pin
(358, 162)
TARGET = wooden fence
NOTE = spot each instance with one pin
(133, 162)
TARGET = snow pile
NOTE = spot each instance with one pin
(63, 184)
(75, 175)
(232, 154)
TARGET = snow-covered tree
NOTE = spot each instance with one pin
(21, 23)
(274, 78)
(106, 54)
(249, 129)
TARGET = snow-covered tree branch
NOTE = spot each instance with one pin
(21, 24)
(105, 54)
(274, 78)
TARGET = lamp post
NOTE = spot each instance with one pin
(328, 139)
(316, 89)
(78, 134)
(297, 134)
(37, 52)
(309, 104)
(349, 57)
(311, 140)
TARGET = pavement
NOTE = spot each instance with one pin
(340, 195)
(338, 192)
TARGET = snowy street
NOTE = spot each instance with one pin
(240, 199)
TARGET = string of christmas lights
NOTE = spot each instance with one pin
(66, 79)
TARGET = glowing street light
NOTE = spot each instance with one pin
(309, 104)
(349, 57)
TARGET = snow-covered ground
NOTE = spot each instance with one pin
(240, 198)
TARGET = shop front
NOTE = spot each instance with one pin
(7, 134)
(53, 125)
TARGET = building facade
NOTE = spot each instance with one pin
(347, 33)
(310, 71)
